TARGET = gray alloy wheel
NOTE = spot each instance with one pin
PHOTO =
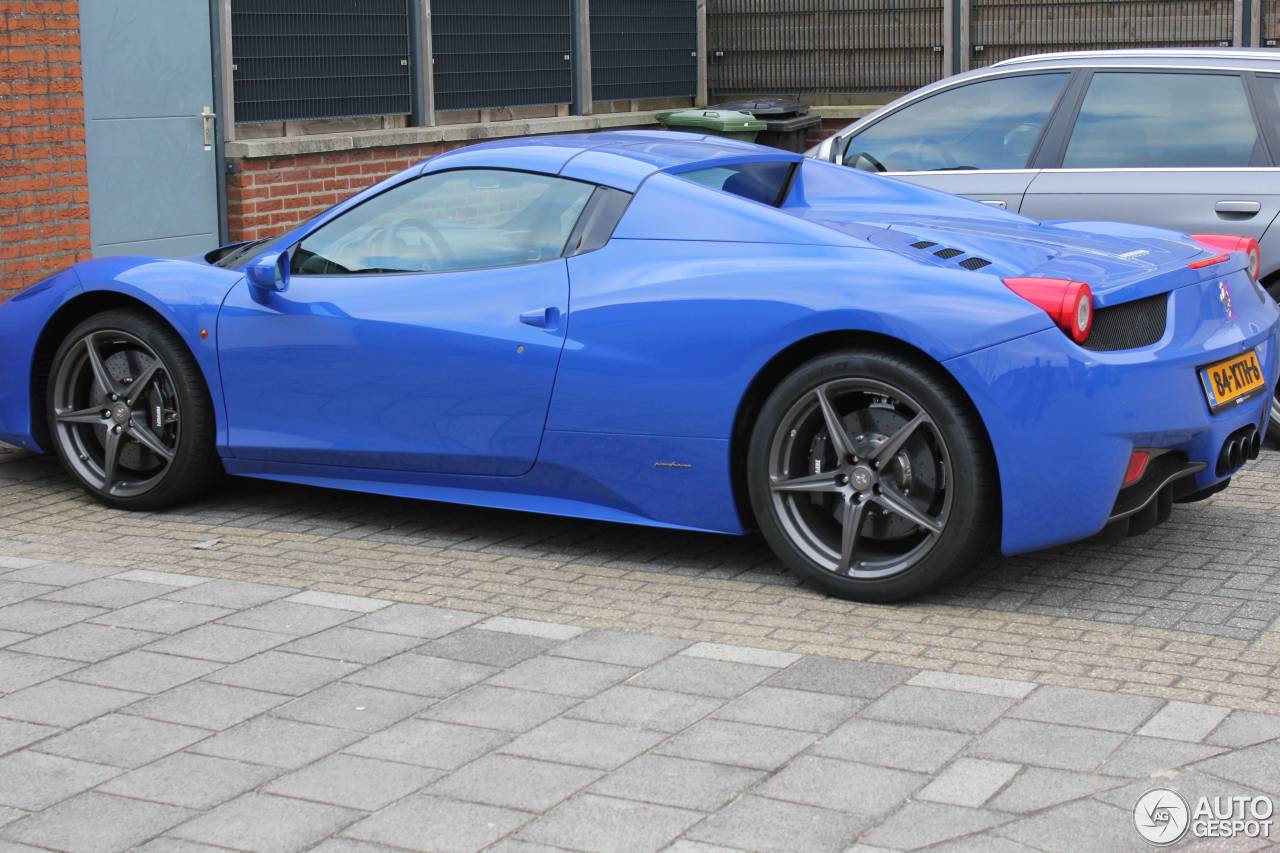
(116, 413)
(860, 477)
(1274, 429)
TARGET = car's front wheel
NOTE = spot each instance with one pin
(129, 413)
(870, 477)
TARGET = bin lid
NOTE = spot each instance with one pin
(725, 121)
(760, 107)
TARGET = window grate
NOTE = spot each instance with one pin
(643, 49)
(491, 54)
(322, 59)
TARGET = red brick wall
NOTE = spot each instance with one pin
(44, 195)
(269, 195)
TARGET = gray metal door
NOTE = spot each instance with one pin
(147, 79)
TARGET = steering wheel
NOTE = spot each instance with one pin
(862, 155)
(934, 149)
(391, 237)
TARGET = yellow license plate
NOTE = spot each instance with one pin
(1232, 382)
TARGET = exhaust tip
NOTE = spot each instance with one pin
(1255, 445)
(1235, 454)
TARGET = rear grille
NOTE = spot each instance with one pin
(948, 254)
(975, 263)
(1134, 324)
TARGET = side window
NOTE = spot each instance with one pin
(469, 219)
(1150, 120)
(762, 182)
(989, 125)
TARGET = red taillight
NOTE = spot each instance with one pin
(1069, 303)
(1137, 467)
(1229, 243)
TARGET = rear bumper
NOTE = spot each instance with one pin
(1064, 421)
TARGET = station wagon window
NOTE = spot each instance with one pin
(467, 219)
(994, 124)
(764, 182)
(1151, 120)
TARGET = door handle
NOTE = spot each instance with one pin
(541, 318)
(1243, 209)
(207, 115)
(995, 202)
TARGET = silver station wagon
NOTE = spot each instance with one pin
(1186, 139)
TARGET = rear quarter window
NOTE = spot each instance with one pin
(762, 182)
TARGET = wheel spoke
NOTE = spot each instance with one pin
(812, 483)
(91, 415)
(835, 426)
(884, 453)
(100, 373)
(138, 387)
(110, 460)
(851, 517)
(898, 504)
(147, 439)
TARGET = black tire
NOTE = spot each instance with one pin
(129, 341)
(957, 495)
(1273, 415)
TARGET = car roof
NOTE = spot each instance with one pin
(1172, 57)
(622, 158)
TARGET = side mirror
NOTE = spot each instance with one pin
(269, 273)
(838, 144)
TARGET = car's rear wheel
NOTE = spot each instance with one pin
(871, 478)
(129, 412)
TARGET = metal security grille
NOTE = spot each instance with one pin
(643, 49)
(1001, 29)
(316, 59)
(828, 46)
(501, 53)
(1270, 23)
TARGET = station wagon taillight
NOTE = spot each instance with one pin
(1068, 303)
(1229, 243)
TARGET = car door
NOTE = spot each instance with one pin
(977, 139)
(1174, 149)
(420, 330)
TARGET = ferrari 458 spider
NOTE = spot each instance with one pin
(671, 330)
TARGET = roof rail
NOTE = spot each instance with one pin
(1150, 53)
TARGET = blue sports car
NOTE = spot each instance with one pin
(678, 331)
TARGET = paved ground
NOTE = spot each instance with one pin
(278, 668)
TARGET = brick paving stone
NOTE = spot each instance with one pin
(790, 709)
(85, 642)
(757, 823)
(353, 706)
(530, 627)
(859, 789)
(608, 825)
(1154, 757)
(353, 644)
(921, 824)
(275, 742)
(266, 823)
(425, 676)
(32, 780)
(352, 781)
(37, 617)
(431, 823)
(60, 574)
(514, 782)
(209, 706)
(679, 782)
(288, 617)
(740, 744)
(122, 741)
(12, 592)
(645, 708)
(1090, 708)
(621, 648)
(1244, 728)
(1082, 825)
(18, 670)
(969, 782)
(95, 823)
(162, 616)
(741, 654)
(222, 643)
(14, 734)
(357, 603)
(584, 743)
(235, 595)
(282, 672)
(112, 592)
(847, 678)
(161, 578)
(1189, 721)
(892, 745)
(704, 677)
(429, 743)
(63, 703)
(1046, 745)
(190, 780)
(1037, 788)
(937, 709)
(1255, 767)
(563, 676)
(493, 648)
(142, 671)
(499, 708)
(415, 620)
